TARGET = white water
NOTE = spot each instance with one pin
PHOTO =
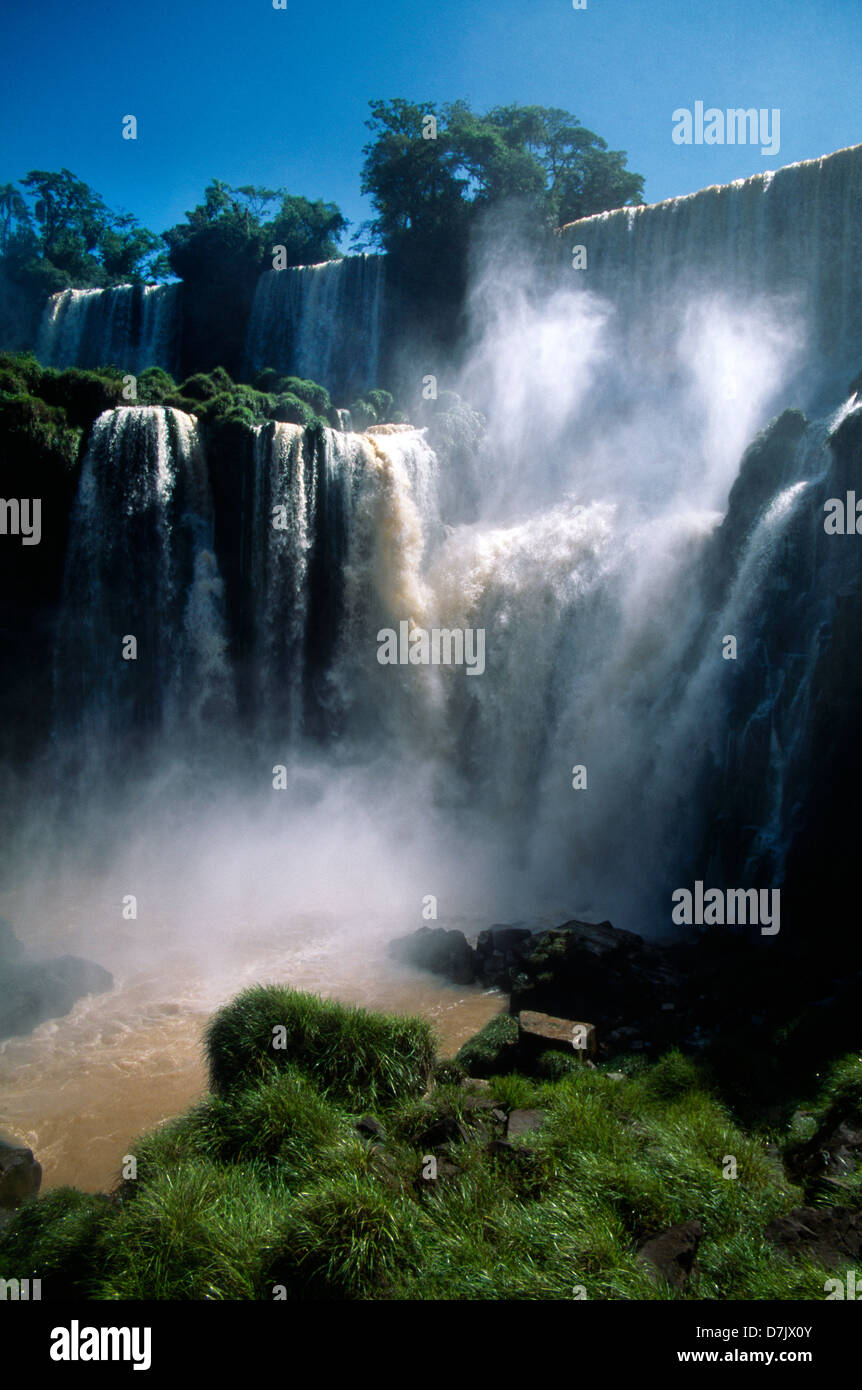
(322, 322)
(790, 235)
(131, 327)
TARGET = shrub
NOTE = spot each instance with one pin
(205, 386)
(309, 391)
(269, 380)
(83, 395)
(293, 411)
(20, 373)
(258, 406)
(184, 403)
(39, 429)
(155, 386)
(353, 1055)
(382, 403)
(363, 415)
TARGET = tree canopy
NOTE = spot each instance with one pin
(429, 171)
(56, 231)
(233, 231)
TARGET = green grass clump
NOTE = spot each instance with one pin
(57, 1239)
(553, 1066)
(195, 1231)
(493, 1049)
(352, 1055)
(838, 1102)
(346, 1239)
(283, 1120)
(673, 1076)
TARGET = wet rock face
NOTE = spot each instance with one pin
(20, 1175)
(445, 953)
(33, 990)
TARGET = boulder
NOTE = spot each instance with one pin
(542, 1031)
(370, 1128)
(672, 1253)
(592, 970)
(524, 1122)
(834, 1151)
(831, 1236)
(499, 952)
(442, 952)
(33, 990)
(20, 1175)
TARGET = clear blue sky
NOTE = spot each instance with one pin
(237, 90)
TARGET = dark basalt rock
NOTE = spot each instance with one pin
(370, 1128)
(442, 952)
(20, 1175)
(831, 1236)
(524, 1122)
(672, 1253)
(33, 990)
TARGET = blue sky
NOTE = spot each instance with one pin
(237, 90)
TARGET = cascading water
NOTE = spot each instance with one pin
(140, 565)
(322, 322)
(589, 560)
(129, 326)
(338, 527)
(792, 235)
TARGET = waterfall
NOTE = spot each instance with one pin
(321, 322)
(339, 525)
(140, 565)
(792, 234)
(618, 527)
(130, 326)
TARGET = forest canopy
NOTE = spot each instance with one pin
(430, 174)
(430, 171)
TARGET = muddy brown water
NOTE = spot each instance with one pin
(81, 1088)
